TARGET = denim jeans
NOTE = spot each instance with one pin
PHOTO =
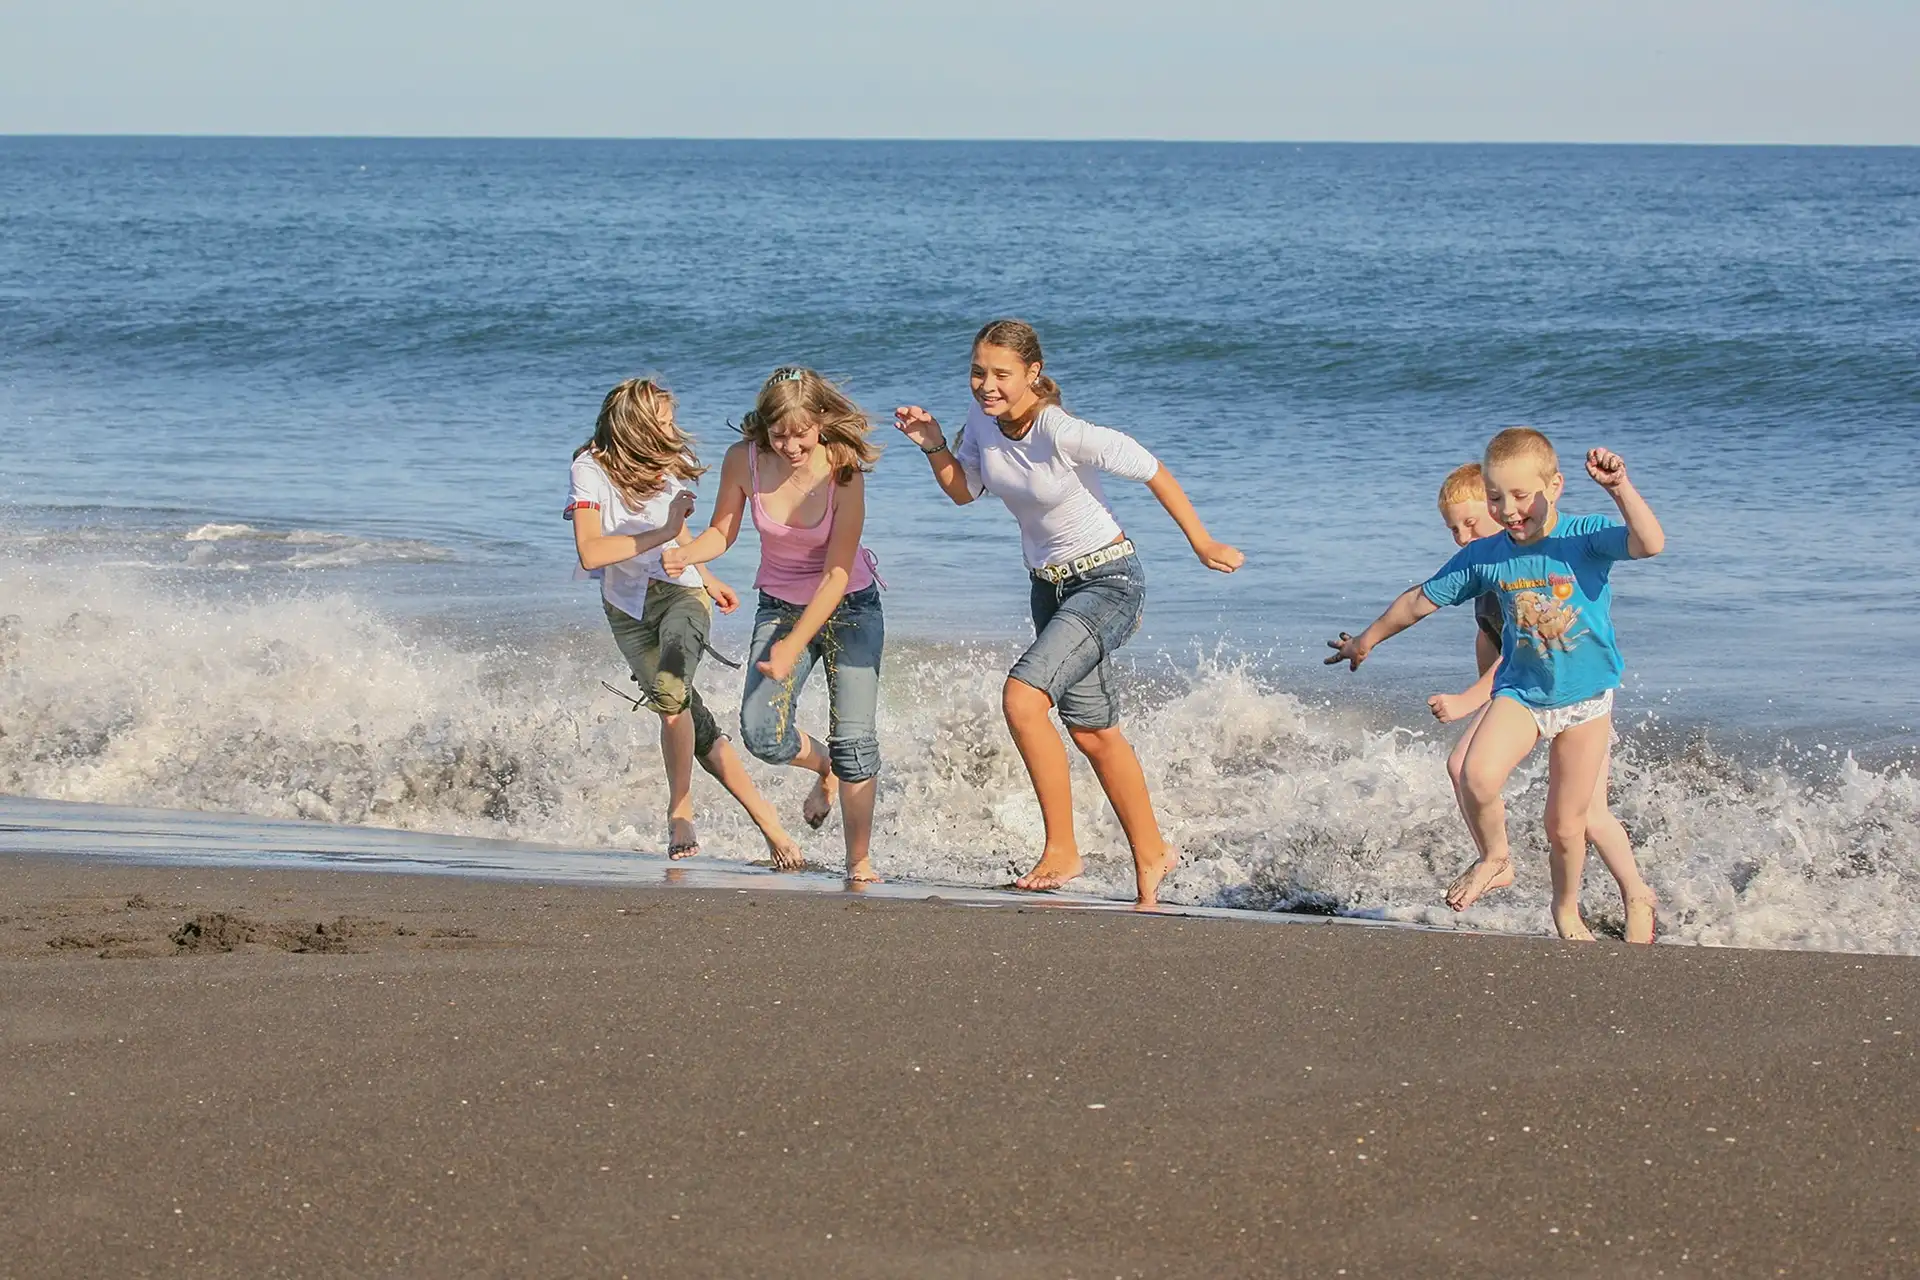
(849, 646)
(1077, 626)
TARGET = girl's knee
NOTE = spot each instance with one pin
(668, 693)
(1097, 743)
(854, 759)
(1567, 831)
(1026, 707)
(767, 737)
(1021, 700)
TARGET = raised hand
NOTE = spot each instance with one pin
(1220, 557)
(680, 510)
(1349, 650)
(917, 425)
(1608, 469)
(673, 560)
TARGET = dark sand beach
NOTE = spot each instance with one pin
(251, 1073)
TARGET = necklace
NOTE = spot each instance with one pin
(1025, 431)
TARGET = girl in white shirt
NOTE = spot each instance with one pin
(1088, 589)
(636, 475)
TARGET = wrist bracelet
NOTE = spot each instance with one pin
(939, 448)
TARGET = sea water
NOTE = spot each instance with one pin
(284, 429)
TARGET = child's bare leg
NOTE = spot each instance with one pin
(1609, 840)
(856, 814)
(1574, 761)
(818, 806)
(1125, 783)
(1045, 756)
(1503, 737)
(724, 765)
(676, 748)
(1456, 763)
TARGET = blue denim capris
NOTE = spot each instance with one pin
(1078, 625)
(850, 646)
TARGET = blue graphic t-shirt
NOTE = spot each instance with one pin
(1556, 644)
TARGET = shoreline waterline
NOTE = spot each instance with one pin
(161, 838)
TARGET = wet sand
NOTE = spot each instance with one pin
(247, 1073)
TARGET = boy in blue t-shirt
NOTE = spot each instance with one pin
(1558, 666)
(1464, 510)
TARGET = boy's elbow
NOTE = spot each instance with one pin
(1651, 547)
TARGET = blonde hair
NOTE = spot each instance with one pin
(1018, 337)
(1463, 484)
(792, 391)
(638, 444)
(1516, 443)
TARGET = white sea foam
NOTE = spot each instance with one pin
(220, 532)
(300, 548)
(115, 691)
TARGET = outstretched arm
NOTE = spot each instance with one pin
(597, 550)
(1408, 608)
(1213, 553)
(729, 506)
(1645, 537)
(919, 426)
(849, 516)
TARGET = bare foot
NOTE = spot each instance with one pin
(1147, 882)
(1478, 879)
(1570, 926)
(862, 872)
(819, 803)
(1640, 920)
(1052, 871)
(681, 841)
(786, 854)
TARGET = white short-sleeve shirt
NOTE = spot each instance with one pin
(624, 583)
(1050, 479)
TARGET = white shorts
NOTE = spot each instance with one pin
(1554, 721)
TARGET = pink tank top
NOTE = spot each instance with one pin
(793, 557)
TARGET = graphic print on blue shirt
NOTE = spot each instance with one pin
(1557, 646)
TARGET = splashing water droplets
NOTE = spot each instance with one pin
(115, 690)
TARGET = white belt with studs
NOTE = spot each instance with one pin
(1059, 573)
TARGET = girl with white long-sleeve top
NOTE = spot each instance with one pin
(1088, 587)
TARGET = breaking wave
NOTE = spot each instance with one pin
(117, 690)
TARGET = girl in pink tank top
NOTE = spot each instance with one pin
(801, 471)
(793, 557)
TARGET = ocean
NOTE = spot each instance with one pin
(285, 425)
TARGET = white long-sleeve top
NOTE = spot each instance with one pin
(1050, 479)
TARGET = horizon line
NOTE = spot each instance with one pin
(956, 140)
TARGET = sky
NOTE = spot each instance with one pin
(1789, 71)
